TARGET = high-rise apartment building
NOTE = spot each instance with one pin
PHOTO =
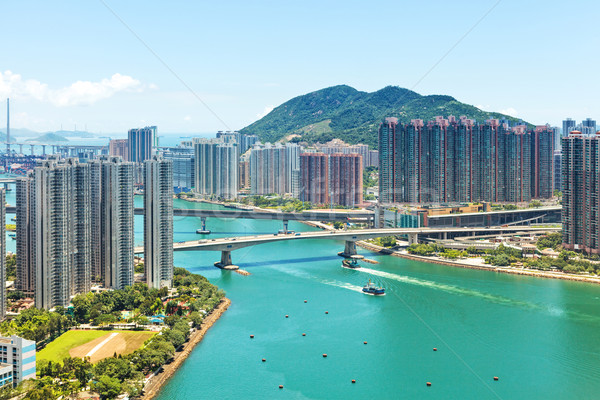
(588, 127)
(141, 143)
(119, 148)
(581, 192)
(183, 166)
(216, 168)
(268, 169)
(244, 172)
(17, 360)
(158, 222)
(346, 179)
(557, 170)
(314, 170)
(111, 220)
(54, 232)
(370, 158)
(450, 160)
(542, 159)
(568, 125)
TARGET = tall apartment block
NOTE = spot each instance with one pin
(568, 125)
(557, 170)
(119, 148)
(141, 143)
(216, 168)
(111, 221)
(158, 222)
(450, 160)
(183, 166)
(314, 170)
(53, 235)
(581, 192)
(370, 158)
(346, 179)
(244, 172)
(272, 166)
(17, 360)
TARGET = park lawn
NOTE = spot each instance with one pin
(59, 348)
(77, 343)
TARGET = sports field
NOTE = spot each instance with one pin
(94, 344)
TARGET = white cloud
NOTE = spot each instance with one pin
(510, 111)
(187, 118)
(481, 107)
(267, 110)
(78, 93)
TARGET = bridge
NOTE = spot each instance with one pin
(68, 150)
(227, 245)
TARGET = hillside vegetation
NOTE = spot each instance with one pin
(354, 116)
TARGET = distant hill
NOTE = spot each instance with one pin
(49, 138)
(354, 116)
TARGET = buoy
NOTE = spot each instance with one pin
(287, 316)
(353, 380)
(251, 336)
(365, 342)
(495, 378)
(263, 360)
(305, 301)
(326, 312)
(428, 383)
(280, 386)
(324, 355)
(304, 334)
(435, 349)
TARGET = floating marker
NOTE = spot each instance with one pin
(263, 360)
(435, 349)
(305, 301)
(324, 355)
(304, 334)
(365, 342)
(251, 336)
(280, 386)
(495, 378)
(353, 380)
(428, 383)
(326, 312)
(287, 316)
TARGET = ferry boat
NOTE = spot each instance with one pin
(371, 289)
(352, 262)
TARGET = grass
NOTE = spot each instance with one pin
(59, 348)
(73, 343)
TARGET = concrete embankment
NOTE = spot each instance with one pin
(503, 270)
(153, 387)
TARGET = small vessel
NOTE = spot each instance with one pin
(352, 262)
(203, 231)
(371, 289)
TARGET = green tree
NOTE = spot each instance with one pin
(108, 387)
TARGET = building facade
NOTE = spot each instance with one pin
(581, 192)
(54, 232)
(141, 143)
(119, 148)
(314, 181)
(111, 220)
(183, 166)
(158, 222)
(450, 160)
(216, 168)
(3, 252)
(346, 179)
(19, 355)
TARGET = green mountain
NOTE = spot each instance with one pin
(354, 116)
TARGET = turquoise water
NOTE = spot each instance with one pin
(540, 337)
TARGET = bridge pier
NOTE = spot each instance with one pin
(349, 249)
(225, 262)
(285, 226)
(31, 148)
(43, 149)
(203, 230)
(413, 238)
(20, 148)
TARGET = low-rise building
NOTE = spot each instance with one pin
(19, 354)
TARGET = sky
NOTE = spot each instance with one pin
(196, 67)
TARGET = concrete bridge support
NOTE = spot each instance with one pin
(349, 249)
(413, 238)
(285, 226)
(203, 230)
(31, 148)
(225, 262)
(20, 148)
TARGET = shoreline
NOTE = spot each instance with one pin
(156, 382)
(503, 270)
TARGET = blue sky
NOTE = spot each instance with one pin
(73, 62)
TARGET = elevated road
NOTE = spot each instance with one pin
(227, 245)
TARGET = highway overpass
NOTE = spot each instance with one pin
(227, 245)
